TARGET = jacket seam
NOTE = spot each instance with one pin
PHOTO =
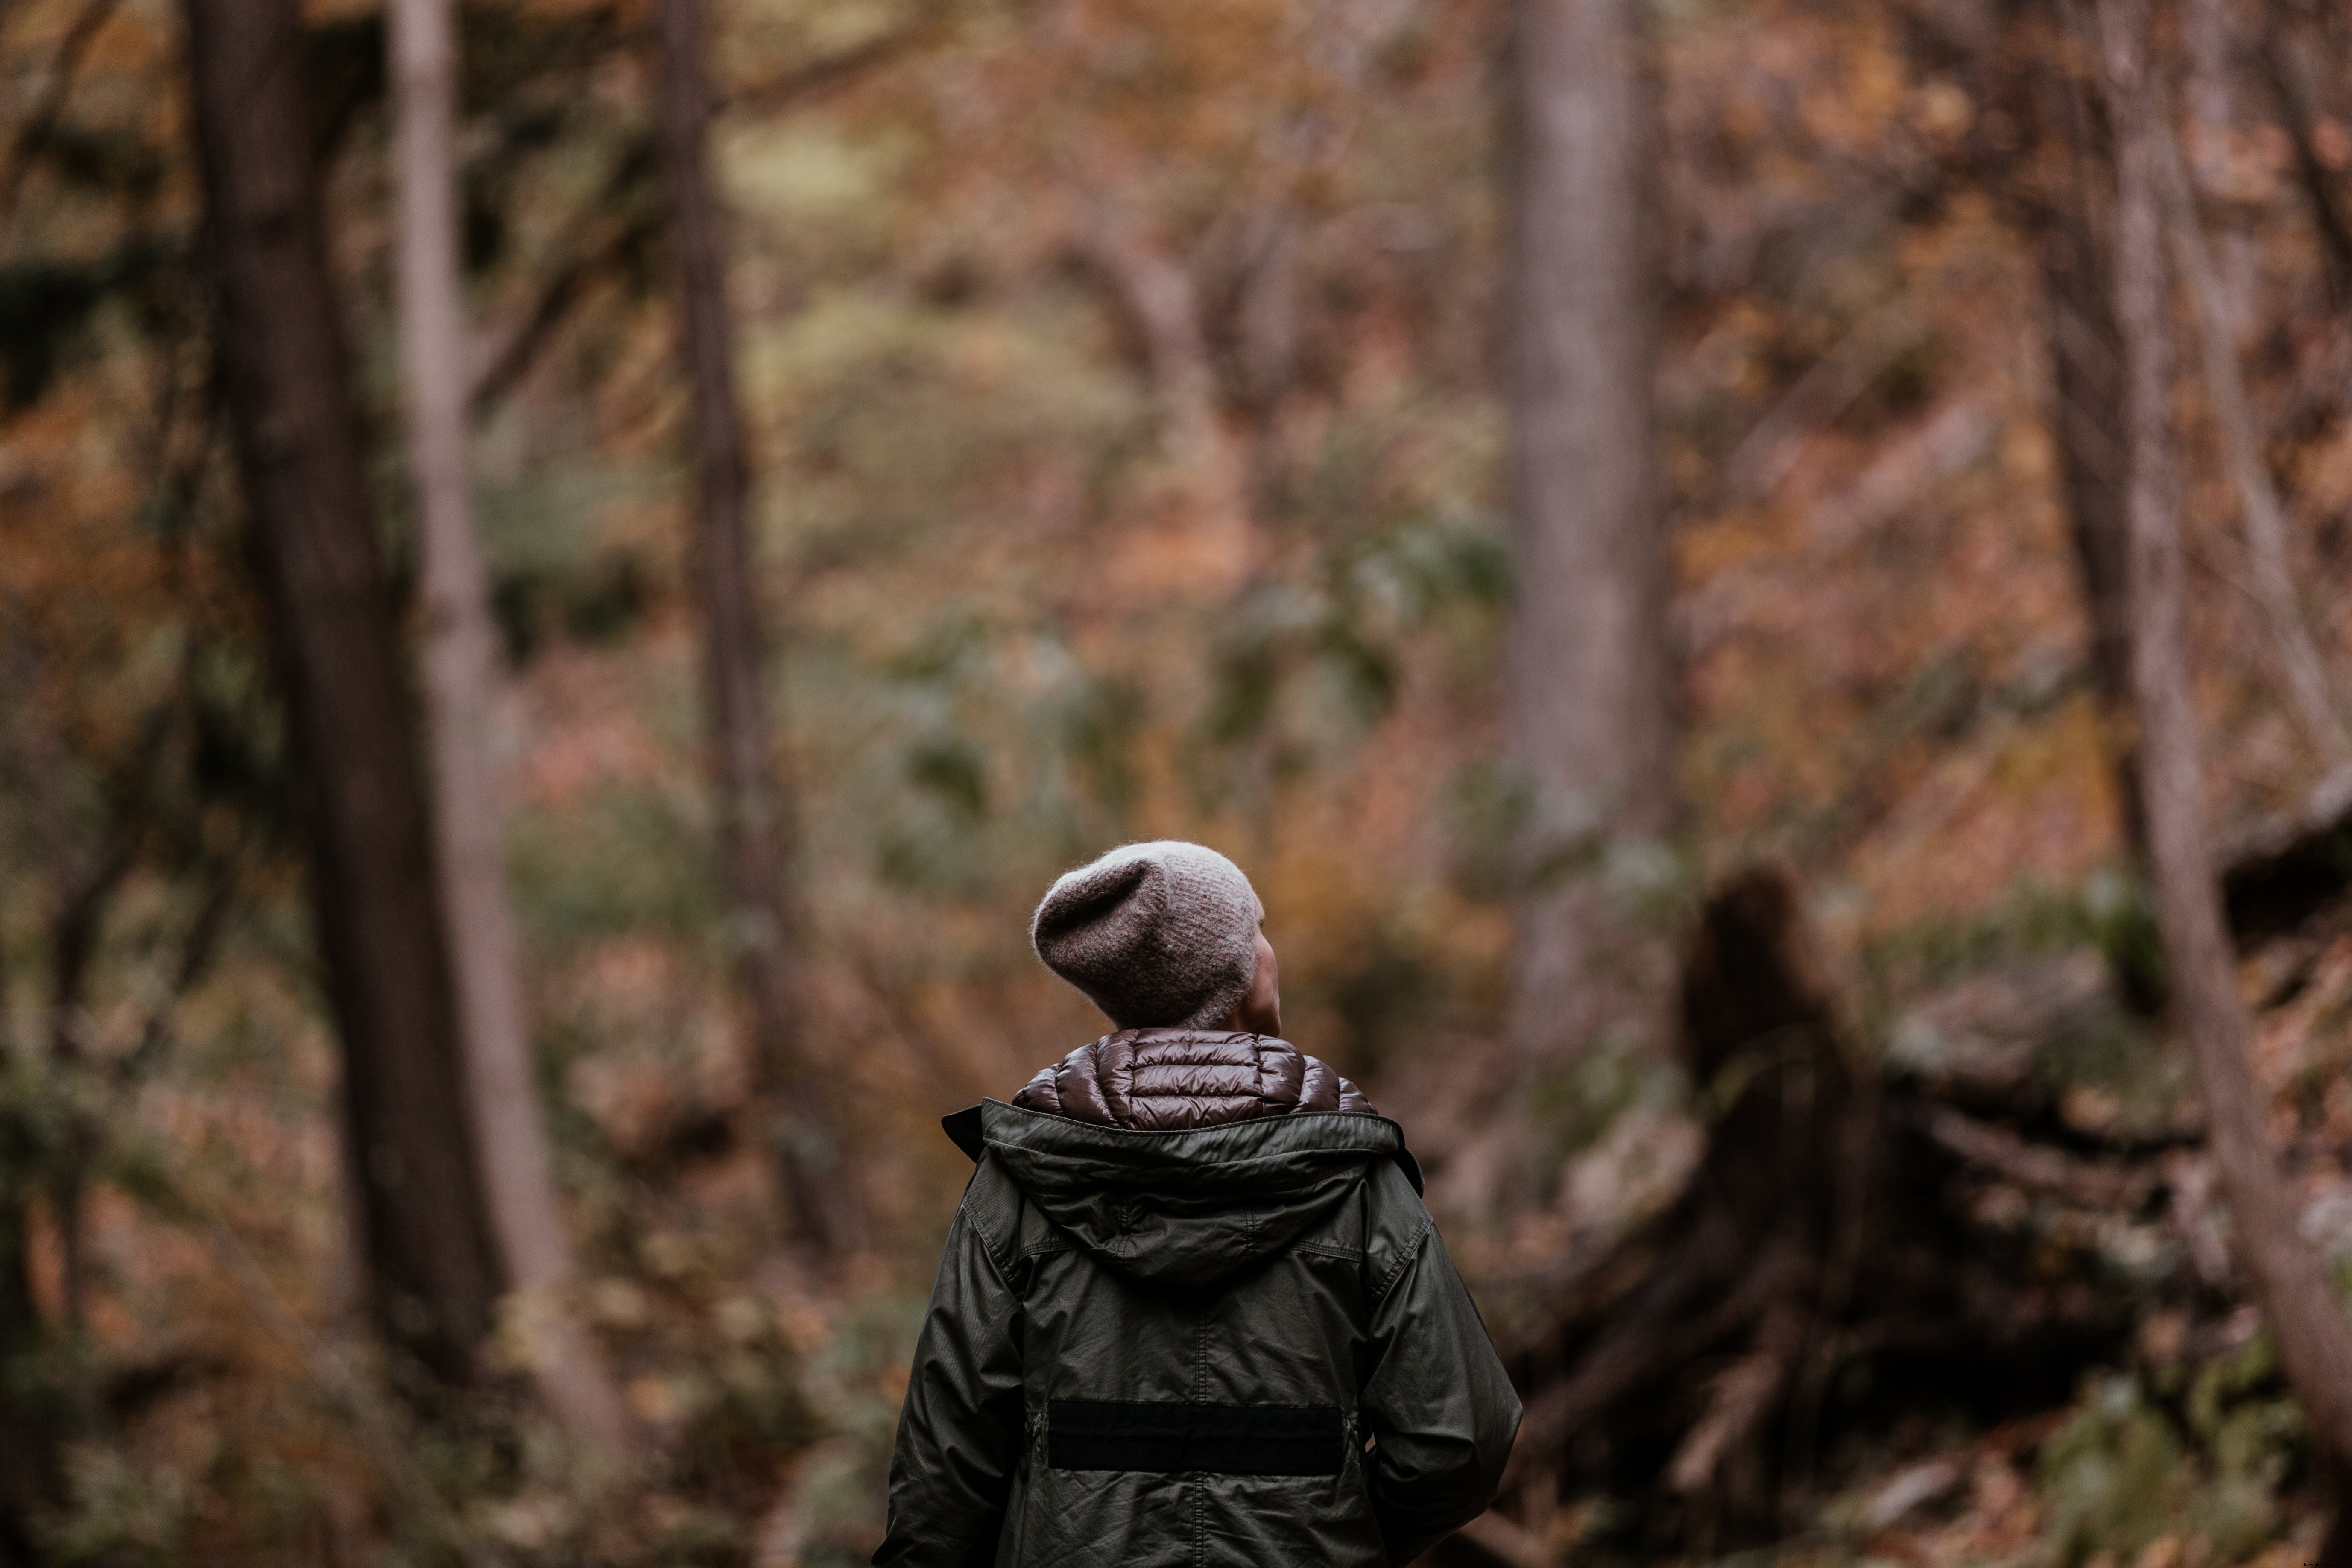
(1331, 1249)
(987, 1246)
(1405, 1254)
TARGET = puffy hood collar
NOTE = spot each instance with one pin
(1163, 1079)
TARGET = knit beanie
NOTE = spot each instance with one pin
(1161, 934)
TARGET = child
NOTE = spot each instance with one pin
(1192, 1310)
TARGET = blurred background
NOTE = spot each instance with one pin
(570, 570)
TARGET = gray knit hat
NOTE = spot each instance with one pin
(1161, 934)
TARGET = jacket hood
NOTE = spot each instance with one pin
(1181, 1155)
(1186, 1207)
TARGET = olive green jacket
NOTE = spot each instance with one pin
(1231, 1344)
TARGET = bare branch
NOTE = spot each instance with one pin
(598, 242)
(1157, 294)
(1744, 1395)
(828, 73)
(2326, 216)
(1815, 401)
(563, 290)
(197, 947)
(2299, 662)
(55, 89)
(2039, 1168)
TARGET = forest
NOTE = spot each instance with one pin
(1762, 587)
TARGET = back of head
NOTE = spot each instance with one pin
(1158, 935)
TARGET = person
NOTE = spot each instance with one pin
(1192, 1310)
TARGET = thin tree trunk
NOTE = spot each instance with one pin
(44, 1401)
(2299, 118)
(80, 895)
(80, 884)
(32, 1482)
(2212, 95)
(460, 676)
(1265, 356)
(2313, 1344)
(2209, 31)
(2301, 669)
(2086, 359)
(1589, 698)
(754, 813)
(433, 1266)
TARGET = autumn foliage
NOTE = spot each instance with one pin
(1128, 450)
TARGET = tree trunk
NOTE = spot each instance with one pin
(2313, 1344)
(460, 652)
(433, 1267)
(2086, 416)
(754, 821)
(1589, 702)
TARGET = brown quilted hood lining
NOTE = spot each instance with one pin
(1167, 1080)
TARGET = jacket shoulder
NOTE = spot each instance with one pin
(1009, 1227)
(1396, 1222)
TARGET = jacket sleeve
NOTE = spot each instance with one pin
(1437, 1403)
(959, 1429)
